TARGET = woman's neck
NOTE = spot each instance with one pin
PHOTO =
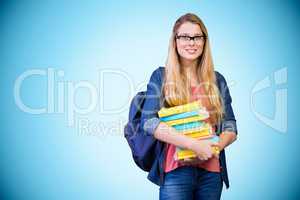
(190, 68)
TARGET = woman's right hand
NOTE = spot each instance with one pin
(203, 149)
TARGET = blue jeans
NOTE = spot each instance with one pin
(188, 183)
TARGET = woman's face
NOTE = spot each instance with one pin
(189, 41)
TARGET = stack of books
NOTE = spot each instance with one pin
(188, 119)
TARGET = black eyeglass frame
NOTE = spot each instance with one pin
(190, 37)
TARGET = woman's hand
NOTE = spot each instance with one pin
(203, 149)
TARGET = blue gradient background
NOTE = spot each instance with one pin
(43, 158)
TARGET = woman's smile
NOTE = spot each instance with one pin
(191, 51)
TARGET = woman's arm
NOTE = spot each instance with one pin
(226, 138)
(202, 148)
(228, 125)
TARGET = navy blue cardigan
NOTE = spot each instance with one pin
(150, 120)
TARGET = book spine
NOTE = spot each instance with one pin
(185, 154)
(202, 128)
(179, 116)
(190, 125)
(196, 105)
(187, 120)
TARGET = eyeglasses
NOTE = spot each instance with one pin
(185, 38)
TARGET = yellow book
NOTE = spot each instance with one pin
(187, 120)
(201, 134)
(179, 109)
(185, 154)
(206, 127)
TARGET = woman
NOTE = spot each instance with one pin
(189, 75)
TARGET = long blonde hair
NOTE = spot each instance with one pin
(176, 87)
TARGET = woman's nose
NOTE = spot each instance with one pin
(191, 42)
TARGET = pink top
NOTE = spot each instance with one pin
(170, 164)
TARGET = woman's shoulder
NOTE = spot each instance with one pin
(158, 72)
(220, 79)
(219, 76)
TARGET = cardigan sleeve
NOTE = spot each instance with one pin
(228, 122)
(149, 116)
